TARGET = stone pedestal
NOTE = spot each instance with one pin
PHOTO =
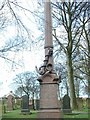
(49, 103)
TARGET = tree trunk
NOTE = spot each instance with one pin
(71, 82)
(89, 78)
(88, 43)
(33, 100)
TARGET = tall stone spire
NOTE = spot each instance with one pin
(49, 81)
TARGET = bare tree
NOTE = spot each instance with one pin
(86, 46)
(27, 83)
(12, 15)
(68, 15)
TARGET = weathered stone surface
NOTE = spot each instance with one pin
(49, 81)
(0, 108)
(66, 104)
(37, 104)
(10, 102)
(49, 103)
(80, 103)
(25, 104)
(88, 102)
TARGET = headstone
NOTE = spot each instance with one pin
(25, 105)
(18, 102)
(88, 103)
(31, 104)
(66, 104)
(0, 108)
(37, 104)
(80, 103)
(3, 105)
(10, 102)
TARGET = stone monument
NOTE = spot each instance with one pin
(10, 102)
(25, 105)
(49, 81)
(0, 108)
(66, 104)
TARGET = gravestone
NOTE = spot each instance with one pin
(25, 105)
(66, 104)
(0, 108)
(88, 103)
(37, 104)
(3, 105)
(10, 102)
(80, 103)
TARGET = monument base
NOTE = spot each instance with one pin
(25, 111)
(50, 114)
(67, 111)
(49, 104)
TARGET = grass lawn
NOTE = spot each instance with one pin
(78, 114)
(17, 114)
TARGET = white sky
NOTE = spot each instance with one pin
(31, 58)
(7, 74)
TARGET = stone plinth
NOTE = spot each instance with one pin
(49, 103)
(49, 114)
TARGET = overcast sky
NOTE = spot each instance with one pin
(31, 58)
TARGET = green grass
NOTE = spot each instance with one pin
(18, 114)
(78, 115)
